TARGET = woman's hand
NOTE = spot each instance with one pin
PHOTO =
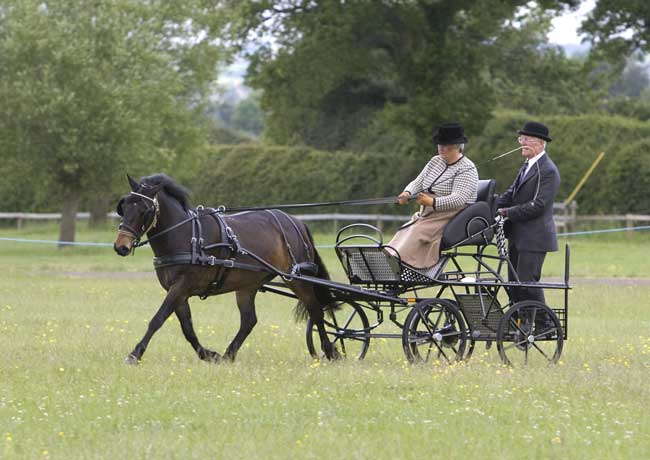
(426, 200)
(402, 198)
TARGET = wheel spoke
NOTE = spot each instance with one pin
(517, 326)
(541, 351)
(350, 317)
(542, 335)
(426, 360)
(442, 352)
(426, 323)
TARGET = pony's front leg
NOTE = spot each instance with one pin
(185, 317)
(168, 306)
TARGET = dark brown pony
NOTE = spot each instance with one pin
(158, 207)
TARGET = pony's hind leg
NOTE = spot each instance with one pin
(172, 299)
(330, 350)
(247, 321)
(309, 302)
(184, 316)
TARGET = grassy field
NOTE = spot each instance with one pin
(69, 317)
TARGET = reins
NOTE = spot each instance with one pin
(360, 202)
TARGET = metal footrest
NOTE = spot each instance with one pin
(482, 313)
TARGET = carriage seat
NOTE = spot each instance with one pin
(473, 219)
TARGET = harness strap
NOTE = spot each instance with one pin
(284, 235)
(304, 242)
(167, 230)
(186, 258)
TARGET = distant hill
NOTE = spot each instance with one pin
(572, 49)
(231, 87)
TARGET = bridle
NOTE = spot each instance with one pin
(151, 215)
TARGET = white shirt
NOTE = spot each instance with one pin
(532, 161)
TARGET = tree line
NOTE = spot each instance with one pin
(93, 91)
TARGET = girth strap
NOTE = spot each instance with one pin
(186, 258)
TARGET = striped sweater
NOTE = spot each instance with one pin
(455, 184)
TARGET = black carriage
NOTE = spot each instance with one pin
(443, 311)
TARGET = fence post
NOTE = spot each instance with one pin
(19, 223)
(573, 215)
(629, 223)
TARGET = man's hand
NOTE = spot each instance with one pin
(503, 212)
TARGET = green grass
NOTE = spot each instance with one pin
(65, 326)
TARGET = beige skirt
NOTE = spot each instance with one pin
(418, 241)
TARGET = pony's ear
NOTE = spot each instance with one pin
(134, 185)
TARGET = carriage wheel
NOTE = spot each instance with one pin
(348, 329)
(529, 332)
(434, 330)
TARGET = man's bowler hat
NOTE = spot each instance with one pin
(534, 129)
(449, 134)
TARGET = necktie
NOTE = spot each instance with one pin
(520, 176)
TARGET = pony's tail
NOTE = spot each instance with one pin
(323, 294)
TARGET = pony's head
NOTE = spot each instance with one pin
(139, 210)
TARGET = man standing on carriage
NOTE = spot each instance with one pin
(528, 206)
(446, 185)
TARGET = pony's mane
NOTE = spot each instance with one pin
(172, 188)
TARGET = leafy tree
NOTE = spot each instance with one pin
(530, 75)
(618, 28)
(633, 80)
(91, 89)
(336, 72)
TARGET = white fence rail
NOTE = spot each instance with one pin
(565, 216)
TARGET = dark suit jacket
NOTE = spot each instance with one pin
(530, 225)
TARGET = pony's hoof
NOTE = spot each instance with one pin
(132, 360)
(336, 356)
(210, 356)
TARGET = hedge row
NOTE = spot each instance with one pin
(255, 174)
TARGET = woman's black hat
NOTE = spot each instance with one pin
(449, 134)
(534, 129)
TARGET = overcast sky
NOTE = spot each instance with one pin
(564, 31)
